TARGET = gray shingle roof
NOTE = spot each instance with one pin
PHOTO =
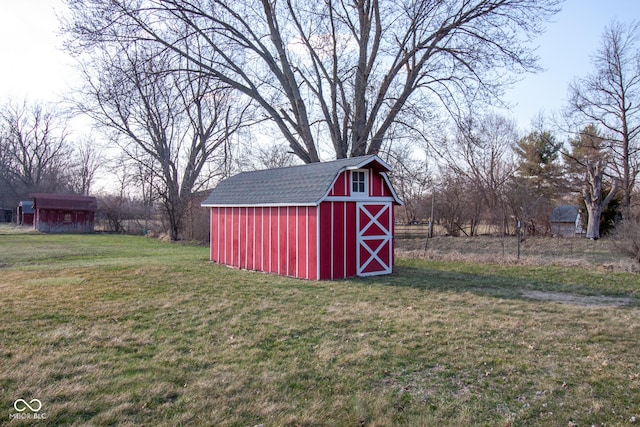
(27, 206)
(296, 185)
(565, 213)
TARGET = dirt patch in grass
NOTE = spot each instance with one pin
(581, 300)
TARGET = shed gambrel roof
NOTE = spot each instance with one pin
(296, 185)
(64, 202)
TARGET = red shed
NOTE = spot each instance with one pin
(319, 221)
(56, 213)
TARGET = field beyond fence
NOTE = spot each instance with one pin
(125, 330)
(534, 251)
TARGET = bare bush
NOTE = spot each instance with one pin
(627, 239)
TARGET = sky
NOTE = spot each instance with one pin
(565, 51)
(32, 64)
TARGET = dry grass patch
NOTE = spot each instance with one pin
(534, 251)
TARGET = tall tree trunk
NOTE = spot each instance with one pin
(593, 199)
(594, 213)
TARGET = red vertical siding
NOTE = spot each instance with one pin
(244, 244)
(292, 241)
(222, 234)
(240, 232)
(337, 258)
(377, 186)
(341, 186)
(283, 240)
(312, 257)
(337, 240)
(217, 251)
(232, 236)
(235, 238)
(258, 239)
(264, 238)
(387, 191)
(63, 221)
(251, 239)
(324, 257)
(237, 234)
(228, 236)
(240, 248)
(302, 249)
(393, 239)
(242, 238)
(213, 234)
(265, 253)
(273, 240)
(350, 240)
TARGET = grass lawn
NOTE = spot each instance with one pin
(121, 330)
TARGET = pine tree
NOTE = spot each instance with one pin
(537, 181)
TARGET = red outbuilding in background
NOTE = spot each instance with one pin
(56, 213)
(318, 221)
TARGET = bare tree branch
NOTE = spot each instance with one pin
(341, 71)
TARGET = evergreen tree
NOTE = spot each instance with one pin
(537, 181)
(589, 144)
(539, 152)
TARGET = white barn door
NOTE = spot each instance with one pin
(374, 250)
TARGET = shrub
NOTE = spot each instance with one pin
(627, 237)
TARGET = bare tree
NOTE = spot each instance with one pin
(340, 70)
(7, 193)
(482, 152)
(610, 97)
(33, 148)
(412, 179)
(268, 157)
(594, 197)
(586, 165)
(169, 122)
(456, 209)
(118, 208)
(87, 158)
